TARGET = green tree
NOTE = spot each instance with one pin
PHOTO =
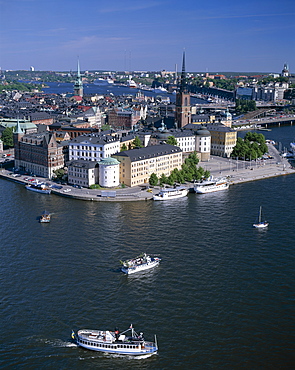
(136, 143)
(193, 156)
(199, 174)
(171, 140)
(123, 147)
(153, 180)
(207, 174)
(253, 146)
(59, 173)
(7, 137)
(105, 127)
(163, 179)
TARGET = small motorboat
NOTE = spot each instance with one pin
(45, 217)
(140, 263)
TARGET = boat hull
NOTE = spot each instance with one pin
(210, 188)
(37, 190)
(44, 221)
(167, 194)
(96, 340)
(143, 267)
(262, 225)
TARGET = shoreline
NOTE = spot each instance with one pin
(137, 194)
(237, 171)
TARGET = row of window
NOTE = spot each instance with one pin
(112, 346)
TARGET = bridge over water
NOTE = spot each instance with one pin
(265, 122)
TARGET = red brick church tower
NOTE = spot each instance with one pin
(183, 105)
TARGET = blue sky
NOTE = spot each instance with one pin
(217, 35)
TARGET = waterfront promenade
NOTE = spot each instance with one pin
(236, 171)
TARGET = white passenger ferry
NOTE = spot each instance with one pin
(211, 185)
(140, 263)
(171, 193)
(115, 342)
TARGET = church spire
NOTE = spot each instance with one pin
(182, 103)
(18, 129)
(78, 69)
(78, 86)
(183, 75)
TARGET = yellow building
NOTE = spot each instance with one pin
(137, 165)
(223, 140)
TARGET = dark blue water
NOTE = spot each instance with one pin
(222, 297)
(116, 90)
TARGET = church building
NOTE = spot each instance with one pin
(183, 105)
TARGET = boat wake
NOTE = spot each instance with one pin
(59, 343)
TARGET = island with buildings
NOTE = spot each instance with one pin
(118, 142)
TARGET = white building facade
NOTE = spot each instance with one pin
(109, 172)
(93, 147)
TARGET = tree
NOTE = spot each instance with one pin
(124, 147)
(59, 173)
(253, 146)
(105, 127)
(136, 143)
(207, 174)
(7, 137)
(193, 158)
(153, 180)
(171, 140)
(163, 179)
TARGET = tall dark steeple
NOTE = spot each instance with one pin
(182, 86)
(78, 86)
(182, 106)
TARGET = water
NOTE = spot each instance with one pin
(116, 90)
(222, 297)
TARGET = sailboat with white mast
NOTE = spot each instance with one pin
(260, 224)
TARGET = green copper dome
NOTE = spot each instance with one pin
(109, 161)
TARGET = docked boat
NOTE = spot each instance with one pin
(115, 342)
(260, 224)
(39, 188)
(160, 89)
(103, 81)
(140, 263)
(45, 217)
(211, 185)
(132, 84)
(171, 193)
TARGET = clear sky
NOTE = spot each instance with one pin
(217, 35)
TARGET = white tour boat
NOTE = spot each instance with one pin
(260, 224)
(211, 185)
(140, 263)
(115, 342)
(171, 193)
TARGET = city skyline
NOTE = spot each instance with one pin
(227, 36)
